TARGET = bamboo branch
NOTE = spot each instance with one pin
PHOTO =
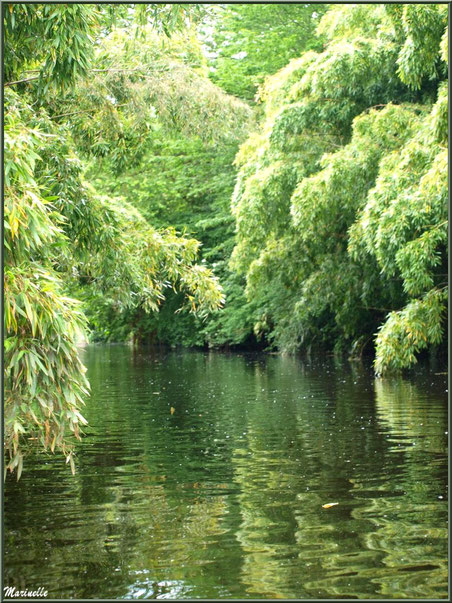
(36, 77)
(29, 79)
(112, 69)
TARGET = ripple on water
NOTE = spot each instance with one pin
(224, 497)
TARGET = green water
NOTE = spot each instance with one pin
(223, 497)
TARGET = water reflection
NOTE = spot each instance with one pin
(223, 497)
(407, 527)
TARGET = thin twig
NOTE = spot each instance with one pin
(378, 309)
(103, 70)
(29, 79)
(157, 70)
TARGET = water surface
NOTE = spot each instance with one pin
(222, 496)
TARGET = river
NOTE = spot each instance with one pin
(205, 475)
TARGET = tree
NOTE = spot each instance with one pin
(164, 137)
(60, 235)
(404, 228)
(45, 381)
(341, 135)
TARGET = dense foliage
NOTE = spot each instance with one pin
(341, 198)
(166, 142)
(129, 129)
(247, 42)
(61, 237)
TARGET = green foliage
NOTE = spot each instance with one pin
(53, 41)
(187, 183)
(61, 237)
(404, 226)
(419, 58)
(248, 42)
(340, 199)
(412, 329)
(45, 383)
(119, 150)
(166, 184)
(56, 41)
(135, 263)
(345, 21)
(147, 88)
(168, 18)
(157, 148)
(115, 255)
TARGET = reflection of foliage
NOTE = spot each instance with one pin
(407, 528)
(409, 535)
(403, 409)
(232, 484)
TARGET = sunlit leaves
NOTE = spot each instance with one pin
(344, 21)
(439, 117)
(404, 225)
(410, 330)
(168, 18)
(53, 41)
(368, 191)
(45, 383)
(423, 26)
(409, 199)
(262, 209)
(139, 263)
(325, 204)
(147, 88)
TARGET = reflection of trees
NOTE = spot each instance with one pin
(294, 548)
(152, 537)
(224, 498)
(267, 527)
(151, 486)
(287, 470)
(412, 416)
(411, 529)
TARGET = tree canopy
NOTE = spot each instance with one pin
(247, 42)
(340, 202)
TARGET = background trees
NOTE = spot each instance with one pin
(247, 42)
